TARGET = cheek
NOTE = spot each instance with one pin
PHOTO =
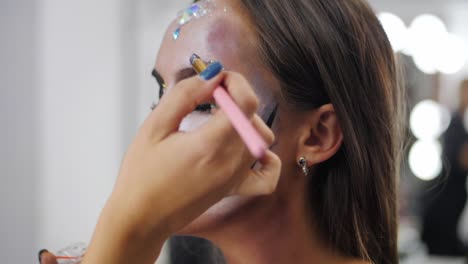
(265, 108)
(195, 120)
(264, 94)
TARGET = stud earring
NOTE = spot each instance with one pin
(303, 164)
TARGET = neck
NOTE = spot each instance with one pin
(275, 231)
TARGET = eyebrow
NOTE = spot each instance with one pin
(185, 73)
(182, 74)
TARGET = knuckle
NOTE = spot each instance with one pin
(209, 157)
(147, 132)
(179, 86)
(183, 88)
(189, 86)
(251, 104)
(271, 187)
(267, 188)
(200, 151)
(270, 138)
(234, 76)
(238, 77)
(246, 97)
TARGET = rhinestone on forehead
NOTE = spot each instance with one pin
(194, 11)
(176, 33)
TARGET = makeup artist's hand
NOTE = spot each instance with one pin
(168, 178)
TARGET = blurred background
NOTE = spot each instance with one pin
(75, 85)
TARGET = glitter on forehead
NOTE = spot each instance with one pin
(197, 10)
(176, 34)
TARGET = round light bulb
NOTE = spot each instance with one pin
(395, 29)
(426, 36)
(428, 120)
(454, 54)
(425, 160)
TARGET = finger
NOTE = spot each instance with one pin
(46, 257)
(219, 127)
(220, 130)
(262, 181)
(263, 129)
(241, 92)
(181, 100)
(265, 132)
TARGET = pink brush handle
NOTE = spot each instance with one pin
(255, 143)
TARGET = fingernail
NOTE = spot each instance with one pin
(40, 254)
(211, 71)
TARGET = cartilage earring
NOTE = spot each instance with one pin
(303, 164)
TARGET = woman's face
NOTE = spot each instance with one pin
(221, 35)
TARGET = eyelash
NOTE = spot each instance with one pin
(203, 108)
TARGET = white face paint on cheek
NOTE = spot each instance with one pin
(193, 121)
(266, 105)
(265, 110)
(267, 101)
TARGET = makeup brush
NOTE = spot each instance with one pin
(254, 142)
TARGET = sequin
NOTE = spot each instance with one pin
(197, 10)
(193, 9)
(184, 18)
(176, 34)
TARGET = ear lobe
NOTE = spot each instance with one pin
(324, 135)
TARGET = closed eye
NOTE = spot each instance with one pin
(161, 83)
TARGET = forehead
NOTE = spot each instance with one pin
(222, 35)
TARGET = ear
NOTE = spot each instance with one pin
(320, 136)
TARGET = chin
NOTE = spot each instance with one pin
(218, 217)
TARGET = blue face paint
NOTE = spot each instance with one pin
(194, 11)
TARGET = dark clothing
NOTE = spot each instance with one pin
(191, 250)
(445, 202)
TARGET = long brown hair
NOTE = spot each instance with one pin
(336, 51)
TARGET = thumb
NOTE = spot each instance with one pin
(45, 257)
